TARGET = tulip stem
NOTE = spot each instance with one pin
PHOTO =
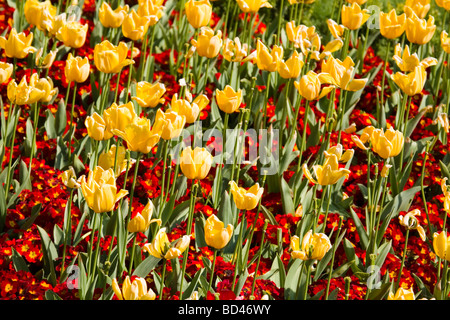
(427, 150)
(336, 244)
(266, 222)
(130, 72)
(117, 86)
(132, 253)
(266, 100)
(71, 119)
(163, 275)
(327, 190)
(11, 151)
(163, 178)
(238, 249)
(403, 258)
(280, 17)
(68, 231)
(212, 270)
(97, 258)
(226, 19)
(383, 80)
(308, 275)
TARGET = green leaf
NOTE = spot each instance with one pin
(50, 254)
(18, 262)
(146, 266)
(286, 198)
(50, 295)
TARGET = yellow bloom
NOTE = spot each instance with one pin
(253, 6)
(336, 30)
(150, 9)
(419, 7)
(149, 94)
(68, 178)
(391, 25)
(441, 245)
(410, 222)
(234, 51)
(134, 27)
(327, 174)
(228, 100)
(110, 18)
(266, 60)
(216, 236)
(187, 108)
(445, 42)
(291, 67)
(246, 199)
(136, 290)
(100, 191)
(107, 160)
(411, 83)
(385, 171)
(310, 86)
(332, 46)
(17, 45)
(39, 13)
(198, 13)
(407, 62)
(163, 249)
(195, 164)
(109, 58)
(443, 4)
(338, 151)
(419, 31)
(360, 2)
(73, 34)
(387, 144)
(41, 90)
(141, 221)
(6, 70)
(77, 69)
(169, 123)
(55, 23)
(303, 37)
(446, 193)
(119, 116)
(47, 61)
(208, 44)
(341, 74)
(402, 294)
(313, 246)
(353, 17)
(96, 127)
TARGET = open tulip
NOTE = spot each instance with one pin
(387, 144)
(24, 93)
(313, 246)
(136, 290)
(134, 27)
(268, 60)
(96, 127)
(336, 30)
(446, 192)
(189, 109)
(55, 23)
(170, 123)
(107, 160)
(391, 25)
(407, 62)
(419, 7)
(100, 191)
(253, 6)
(246, 199)
(47, 61)
(327, 174)
(6, 70)
(17, 45)
(110, 18)
(402, 294)
(410, 222)
(234, 51)
(195, 163)
(109, 58)
(151, 9)
(117, 117)
(208, 44)
(419, 31)
(341, 74)
(310, 86)
(68, 178)
(73, 34)
(445, 41)
(141, 221)
(340, 154)
(216, 236)
(303, 37)
(353, 17)
(46, 86)
(198, 13)
(291, 68)
(39, 13)
(228, 100)
(149, 94)
(77, 69)
(162, 248)
(411, 83)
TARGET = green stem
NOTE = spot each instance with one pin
(332, 257)
(163, 178)
(212, 270)
(403, 258)
(163, 275)
(129, 74)
(67, 232)
(238, 249)
(130, 269)
(71, 119)
(266, 222)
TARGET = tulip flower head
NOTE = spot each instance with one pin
(290, 69)
(37, 90)
(246, 199)
(77, 69)
(149, 95)
(234, 51)
(327, 174)
(38, 13)
(310, 86)
(441, 245)
(195, 163)
(419, 31)
(253, 6)
(419, 7)
(336, 30)
(151, 9)
(107, 160)
(216, 236)
(338, 151)
(142, 220)
(162, 248)
(387, 143)
(68, 178)
(73, 34)
(445, 41)
(411, 83)
(407, 62)
(133, 290)
(109, 58)
(169, 123)
(198, 13)
(228, 100)
(110, 18)
(402, 294)
(410, 222)
(134, 27)
(353, 17)
(268, 60)
(208, 44)
(392, 25)
(313, 246)
(117, 117)
(96, 127)
(341, 74)
(17, 45)
(6, 70)
(188, 108)
(303, 37)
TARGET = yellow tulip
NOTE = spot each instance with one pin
(198, 13)
(402, 294)
(161, 248)
(24, 93)
(139, 135)
(445, 41)
(313, 246)
(407, 62)
(253, 6)
(292, 67)
(100, 191)
(246, 199)
(441, 245)
(216, 236)
(340, 154)
(385, 170)
(134, 27)
(446, 193)
(136, 290)
(419, 7)
(77, 69)
(303, 37)
(387, 144)
(341, 73)
(310, 86)
(170, 123)
(6, 70)
(336, 30)
(228, 100)
(411, 83)
(410, 222)
(266, 60)
(391, 25)
(353, 17)
(46, 86)
(149, 94)
(55, 23)
(39, 13)
(234, 51)
(47, 61)
(109, 58)
(360, 2)
(73, 34)
(419, 31)
(332, 46)
(443, 4)
(117, 117)
(110, 18)
(141, 221)
(189, 109)
(68, 178)
(208, 44)
(17, 45)
(150, 9)
(195, 164)
(96, 127)
(107, 160)
(327, 174)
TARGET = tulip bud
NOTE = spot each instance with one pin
(313, 246)
(353, 17)
(198, 13)
(253, 6)
(441, 245)
(216, 236)
(73, 34)
(387, 144)
(169, 123)
(77, 69)
(68, 178)
(208, 45)
(6, 70)
(228, 100)
(136, 290)
(195, 164)
(119, 116)
(391, 25)
(134, 27)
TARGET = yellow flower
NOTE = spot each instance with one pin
(216, 236)
(310, 86)
(46, 86)
(353, 17)
(149, 94)
(77, 69)
(443, 4)
(119, 116)
(208, 44)
(195, 164)
(246, 199)
(266, 60)
(187, 108)
(17, 45)
(411, 83)
(313, 246)
(341, 74)
(134, 27)
(336, 30)
(234, 51)
(55, 23)
(338, 151)
(441, 245)
(385, 171)
(419, 31)
(198, 13)
(73, 34)
(303, 37)
(163, 249)
(228, 100)
(169, 123)
(446, 194)
(110, 18)
(47, 61)
(136, 290)
(100, 191)
(150, 9)
(39, 13)
(141, 221)
(407, 62)
(107, 160)
(332, 46)
(41, 90)
(327, 174)
(419, 7)
(360, 2)
(96, 127)
(402, 294)
(253, 6)
(391, 25)
(292, 67)
(68, 178)
(109, 58)
(445, 42)
(6, 70)
(410, 222)
(387, 144)
(139, 135)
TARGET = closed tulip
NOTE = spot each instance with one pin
(208, 44)
(136, 290)
(117, 117)
(151, 9)
(419, 31)
(141, 221)
(441, 245)
(68, 178)
(48, 89)
(189, 109)
(228, 100)
(310, 86)
(387, 144)
(290, 69)
(109, 58)
(407, 62)
(353, 17)
(268, 60)
(327, 174)
(446, 192)
(198, 13)
(162, 248)
(110, 18)
(170, 123)
(402, 294)
(391, 25)
(139, 135)
(73, 34)
(195, 163)
(149, 95)
(100, 191)
(216, 236)
(253, 6)
(410, 222)
(39, 13)
(134, 27)
(17, 45)
(246, 199)
(77, 69)
(96, 127)
(107, 160)
(313, 246)
(411, 83)
(419, 7)
(6, 70)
